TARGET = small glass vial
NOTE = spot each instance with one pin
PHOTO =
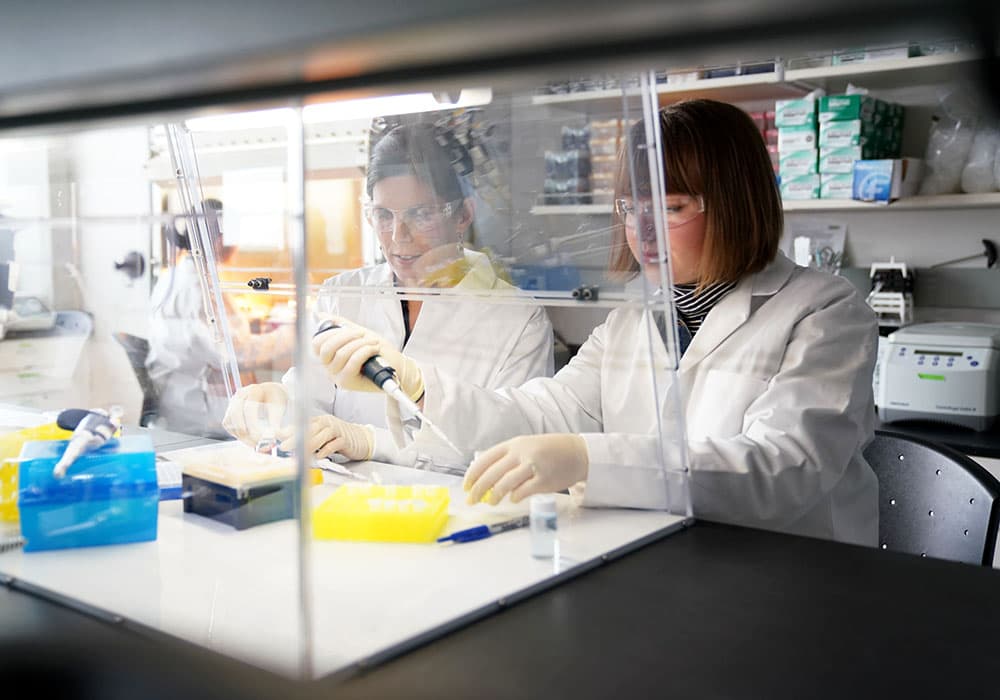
(543, 526)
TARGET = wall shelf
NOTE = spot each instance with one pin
(890, 72)
(782, 84)
(737, 88)
(942, 201)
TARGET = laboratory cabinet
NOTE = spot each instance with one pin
(178, 267)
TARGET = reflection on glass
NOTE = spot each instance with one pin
(424, 214)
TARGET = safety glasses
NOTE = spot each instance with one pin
(423, 218)
(678, 209)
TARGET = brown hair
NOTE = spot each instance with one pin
(712, 149)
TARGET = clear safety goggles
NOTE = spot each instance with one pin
(424, 218)
(678, 209)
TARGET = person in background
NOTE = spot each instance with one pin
(774, 382)
(184, 361)
(423, 219)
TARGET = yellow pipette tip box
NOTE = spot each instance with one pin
(382, 513)
(10, 447)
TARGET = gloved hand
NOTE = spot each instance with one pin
(328, 434)
(243, 414)
(344, 350)
(527, 465)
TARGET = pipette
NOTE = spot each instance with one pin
(92, 429)
(384, 377)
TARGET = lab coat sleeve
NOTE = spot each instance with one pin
(386, 450)
(797, 439)
(475, 418)
(624, 471)
(532, 354)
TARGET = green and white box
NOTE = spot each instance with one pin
(837, 108)
(841, 160)
(796, 138)
(836, 185)
(794, 113)
(852, 132)
(890, 141)
(801, 187)
(798, 163)
(894, 116)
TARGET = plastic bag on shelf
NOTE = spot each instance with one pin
(978, 175)
(953, 128)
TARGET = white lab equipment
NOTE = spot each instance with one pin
(943, 372)
(891, 295)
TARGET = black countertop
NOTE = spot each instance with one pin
(966, 440)
(726, 612)
(712, 611)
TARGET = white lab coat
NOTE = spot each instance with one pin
(184, 361)
(492, 345)
(775, 390)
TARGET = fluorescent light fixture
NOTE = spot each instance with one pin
(241, 120)
(394, 104)
(344, 110)
(23, 145)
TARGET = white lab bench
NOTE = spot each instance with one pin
(238, 591)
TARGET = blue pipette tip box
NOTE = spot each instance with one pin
(107, 496)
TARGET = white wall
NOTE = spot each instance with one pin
(112, 203)
(24, 191)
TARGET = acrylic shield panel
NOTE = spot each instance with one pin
(171, 276)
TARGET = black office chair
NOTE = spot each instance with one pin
(137, 350)
(933, 500)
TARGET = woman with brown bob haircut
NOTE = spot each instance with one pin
(774, 378)
(742, 206)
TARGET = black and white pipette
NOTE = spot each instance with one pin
(91, 429)
(384, 377)
(381, 374)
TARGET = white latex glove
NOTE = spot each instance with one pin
(342, 351)
(327, 435)
(243, 414)
(527, 465)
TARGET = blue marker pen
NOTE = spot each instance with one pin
(483, 531)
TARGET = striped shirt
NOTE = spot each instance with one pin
(693, 308)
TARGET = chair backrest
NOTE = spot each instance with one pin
(933, 500)
(137, 350)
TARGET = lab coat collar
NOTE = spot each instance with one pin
(382, 275)
(481, 275)
(735, 308)
(772, 278)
